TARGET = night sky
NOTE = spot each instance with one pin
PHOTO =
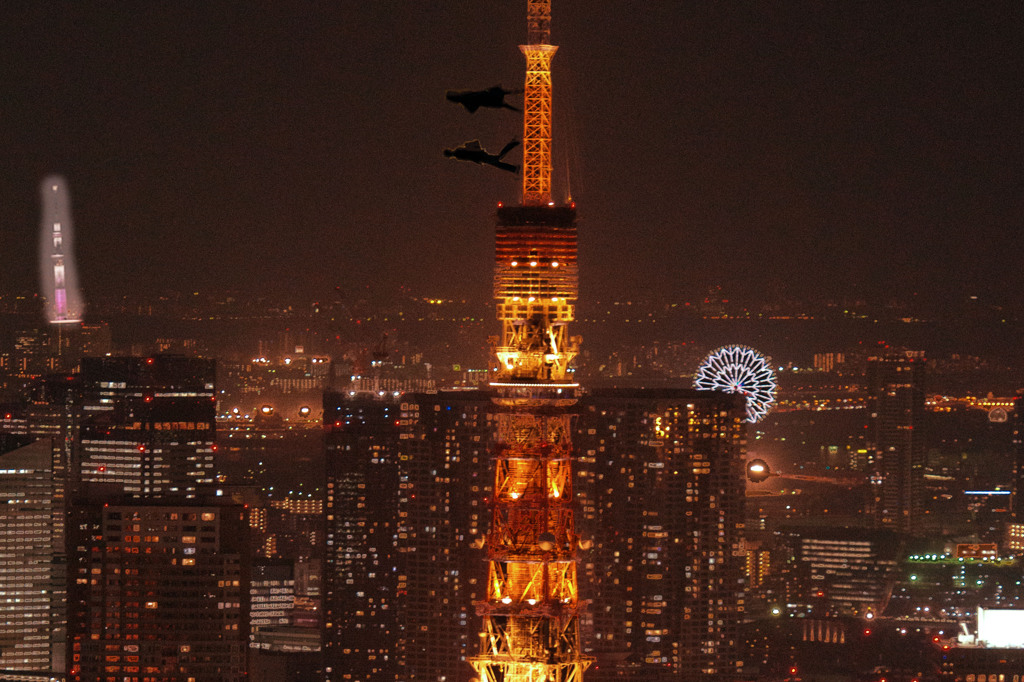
(847, 149)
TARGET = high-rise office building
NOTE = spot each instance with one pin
(1014, 533)
(284, 617)
(52, 410)
(406, 489)
(124, 435)
(157, 565)
(32, 630)
(843, 571)
(446, 452)
(150, 426)
(285, 633)
(49, 414)
(361, 578)
(660, 493)
(896, 410)
(157, 591)
(34, 354)
(661, 488)
(271, 599)
(125, 425)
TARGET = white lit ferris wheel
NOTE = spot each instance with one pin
(739, 369)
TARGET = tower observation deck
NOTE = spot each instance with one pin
(531, 609)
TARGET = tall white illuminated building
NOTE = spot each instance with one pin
(32, 625)
(57, 273)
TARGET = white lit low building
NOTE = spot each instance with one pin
(994, 652)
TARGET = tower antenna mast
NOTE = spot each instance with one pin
(537, 104)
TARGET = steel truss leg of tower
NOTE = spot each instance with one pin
(531, 611)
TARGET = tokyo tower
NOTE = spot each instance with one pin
(531, 610)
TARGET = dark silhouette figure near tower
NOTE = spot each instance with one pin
(472, 151)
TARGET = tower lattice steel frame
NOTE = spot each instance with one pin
(531, 609)
(537, 104)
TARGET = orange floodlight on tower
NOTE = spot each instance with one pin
(531, 609)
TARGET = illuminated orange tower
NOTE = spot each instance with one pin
(532, 610)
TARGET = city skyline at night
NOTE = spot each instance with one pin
(862, 151)
(319, 423)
